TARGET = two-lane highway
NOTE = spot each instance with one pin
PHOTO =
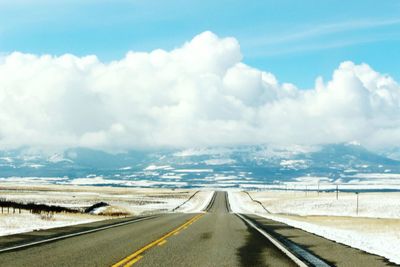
(218, 238)
(215, 238)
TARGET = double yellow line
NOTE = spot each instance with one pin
(135, 257)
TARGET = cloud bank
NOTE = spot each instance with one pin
(200, 94)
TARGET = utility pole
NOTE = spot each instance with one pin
(337, 192)
(357, 204)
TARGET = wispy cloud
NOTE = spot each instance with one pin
(318, 46)
(315, 31)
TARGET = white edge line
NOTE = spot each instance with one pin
(275, 242)
(74, 234)
(212, 198)
(202, 210)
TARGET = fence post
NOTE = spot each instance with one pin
(337, 192)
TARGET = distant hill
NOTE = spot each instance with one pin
(244, 166)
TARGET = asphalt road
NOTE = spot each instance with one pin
(216, 238)
(335, 254)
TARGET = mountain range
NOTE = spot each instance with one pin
(242, 166)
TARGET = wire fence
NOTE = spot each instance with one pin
(7, 206)
(329, 187)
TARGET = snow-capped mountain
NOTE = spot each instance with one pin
(246, 166)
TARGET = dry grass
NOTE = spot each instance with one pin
(114, 211)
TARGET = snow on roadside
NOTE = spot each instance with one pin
(198, 203)
(121, 200)
(241, 203)
(27, 222)
(373, 205)
(383, 242)
(374, 235)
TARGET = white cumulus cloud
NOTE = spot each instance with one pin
(199, 94)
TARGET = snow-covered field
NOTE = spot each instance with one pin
(374, 205)
(128, 200)
(27, 222)
(198, 203)
(376, 228)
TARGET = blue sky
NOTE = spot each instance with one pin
(161, 99)
(295, 40)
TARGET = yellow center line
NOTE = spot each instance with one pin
(132, 262)
(134, 257)
(162, 242)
